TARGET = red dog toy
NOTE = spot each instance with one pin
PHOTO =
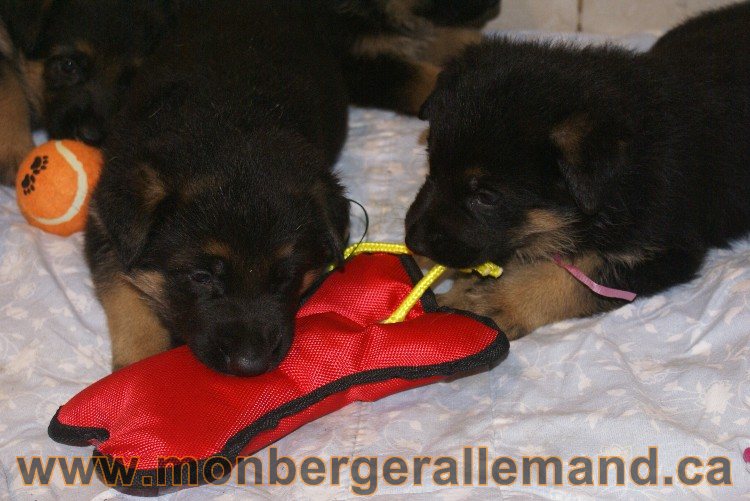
(172, 406)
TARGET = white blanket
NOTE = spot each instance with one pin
(671, 371)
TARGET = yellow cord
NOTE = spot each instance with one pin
(486, 270)
(375, 247)
(408, 303)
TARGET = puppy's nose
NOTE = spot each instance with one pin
(256, 350)
(248, 365)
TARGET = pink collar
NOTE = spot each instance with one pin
(597, 288)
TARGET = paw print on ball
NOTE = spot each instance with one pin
(38, 165)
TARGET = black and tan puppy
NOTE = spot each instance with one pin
(66, 64)
(630, 165)
(218, 205)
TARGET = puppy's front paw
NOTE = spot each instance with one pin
(480, 297)
(134, 328)
(512, 329)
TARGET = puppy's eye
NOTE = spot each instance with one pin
(201, 277)
(486, 197)
(218, 267)
(64, 71)
(68, 66)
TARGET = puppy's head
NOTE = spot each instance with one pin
(528, 147)
(91, 51)
(232, 242)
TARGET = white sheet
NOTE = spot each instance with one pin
(672, 370)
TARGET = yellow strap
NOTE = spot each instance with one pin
(375, 247)
(408, 303)
(486, 270)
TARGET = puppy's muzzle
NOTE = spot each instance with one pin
(431, 232)
(248, 340)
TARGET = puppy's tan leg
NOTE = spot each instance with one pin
(134, 328)
(528, 296)
(15, 124)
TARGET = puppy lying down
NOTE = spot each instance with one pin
(630, 166)
(218, 206)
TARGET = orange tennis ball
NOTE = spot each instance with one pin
(54, 185)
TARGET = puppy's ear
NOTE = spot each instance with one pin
(128, 202)
(334, 206)
(337, 231)
(590, 156)
(334, 244)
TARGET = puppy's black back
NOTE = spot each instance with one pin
(251, 70)
(705, 87)
(710, 46)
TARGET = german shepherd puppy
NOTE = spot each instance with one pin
(629, 165)
(218, 207)
(65, 65)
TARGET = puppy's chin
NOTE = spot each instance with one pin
(214, 359)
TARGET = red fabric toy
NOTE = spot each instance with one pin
(171, 405)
